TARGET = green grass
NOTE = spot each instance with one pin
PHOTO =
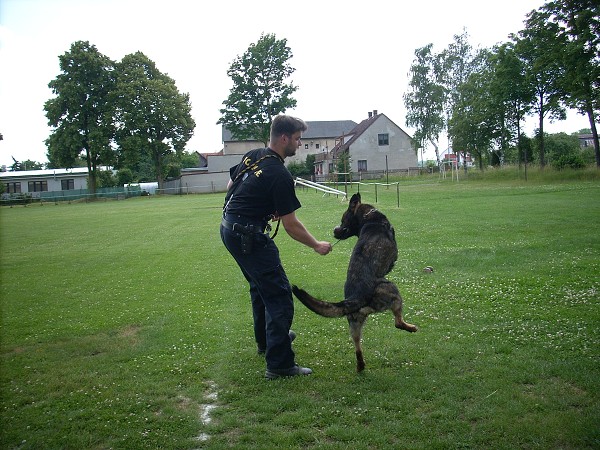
(123, 320)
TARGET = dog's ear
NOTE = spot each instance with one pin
(354, 202)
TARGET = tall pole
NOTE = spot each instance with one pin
(387, 174)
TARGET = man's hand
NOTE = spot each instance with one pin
(323, 247)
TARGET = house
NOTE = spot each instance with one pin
(376, 144)
(34, 182)
(213, 173)
(455, 160)
(586, 140)
(203, 157)
(320, 137)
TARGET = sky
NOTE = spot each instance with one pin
(349, 57)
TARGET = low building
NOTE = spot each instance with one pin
(34, 182)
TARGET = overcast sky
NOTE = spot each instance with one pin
(350, 57)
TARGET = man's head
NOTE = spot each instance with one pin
(286, 132)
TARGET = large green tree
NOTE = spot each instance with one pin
(539, 45)
(80, 112)
(153, 118)
(511, 89)
(457, 64)
(425, 100)
(578, 22)
(260, 90)
(477, 117)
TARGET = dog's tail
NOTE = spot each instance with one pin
(325, 309)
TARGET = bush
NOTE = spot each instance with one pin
(298, 169)
(570, 160)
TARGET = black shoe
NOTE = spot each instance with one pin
(262, 351)
(292, 372)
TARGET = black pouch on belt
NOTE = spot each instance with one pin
(247, 237)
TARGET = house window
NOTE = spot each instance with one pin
(67, 185)
(384, 139)
(306, 146)
(362, 165)
(38, 186)
(331, 168)
(13, 188)
(317, 146)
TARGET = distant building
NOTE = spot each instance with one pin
(456, 159)
(374, 145)
(36, 181)
(320, 137)
(586, 140)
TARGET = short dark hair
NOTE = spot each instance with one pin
(287, 125)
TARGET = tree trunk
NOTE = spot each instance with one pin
(437, 152)
(91, 173)
(594, 135)
(541, 136)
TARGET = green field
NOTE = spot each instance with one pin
(126, 325)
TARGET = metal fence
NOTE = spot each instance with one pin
(73, 195)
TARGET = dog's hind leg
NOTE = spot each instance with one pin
(356, 322)
(387, 296)
(397, 310)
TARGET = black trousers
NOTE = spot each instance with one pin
(270, 293)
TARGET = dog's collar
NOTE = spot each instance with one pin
(371, 211)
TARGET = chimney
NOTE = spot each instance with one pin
(374, 112)
(370, 114)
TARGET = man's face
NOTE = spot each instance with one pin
(292, 144)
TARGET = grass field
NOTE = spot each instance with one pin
(126, 325)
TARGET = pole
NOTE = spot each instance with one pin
(387, 174)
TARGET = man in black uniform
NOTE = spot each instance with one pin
(262, 189)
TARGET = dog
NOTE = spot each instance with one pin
(366, 290)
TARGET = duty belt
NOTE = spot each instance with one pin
(246, 229)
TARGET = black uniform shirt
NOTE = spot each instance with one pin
(266, 187)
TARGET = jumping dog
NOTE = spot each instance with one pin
(366, 291)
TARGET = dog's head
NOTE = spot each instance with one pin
(350, 223)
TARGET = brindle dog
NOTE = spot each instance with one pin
(366, 290)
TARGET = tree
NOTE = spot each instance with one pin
(539, 46)
(425, 100)
(561, 144)
(310, 164)
(579, 24)
(472, 125)
(125, 176)
(153, 119)
(19, 166)
(189, 159)
(456, 64)
(80, 111)
(259, 90)
(511, 88)
(107, 179)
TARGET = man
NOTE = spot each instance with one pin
(262, 189)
